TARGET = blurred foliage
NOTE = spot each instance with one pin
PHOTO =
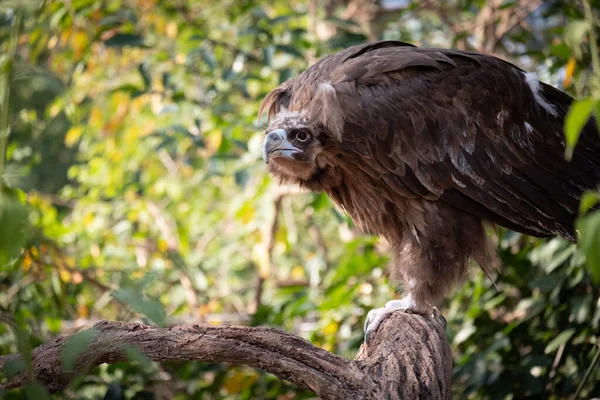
(133, 188)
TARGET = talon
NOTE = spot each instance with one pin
(443, 321)
(376, 316)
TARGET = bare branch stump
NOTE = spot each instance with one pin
(407, 358)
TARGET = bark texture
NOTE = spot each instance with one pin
(407, 358)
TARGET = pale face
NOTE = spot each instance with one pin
(290, 148)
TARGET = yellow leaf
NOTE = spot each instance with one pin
(95, 251)
(180, 58)
(83, 311)
(297, 272)
(79, 42)
(132, 134)
(52, 42)
(186, 171)
(96, 119)
(26, 263)
(213, 140)
(238, 381)
(171, 30)
(88, 219)
(260, 256)
(203, 309)
(65, 275)
(34, 251)
(330, 329)
(569, 71)
(55, 109)
(70, 261)
(73, 135)
(162, 245)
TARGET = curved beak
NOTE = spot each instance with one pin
(276, 145)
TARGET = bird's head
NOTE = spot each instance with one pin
(292, 149)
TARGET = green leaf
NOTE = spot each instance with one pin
(13, 227)
(28, 5)
(562, 338)
(291, 50)
(285, 74)
(125, 39)
(578, 115)
(208, 57)
(144, 69)
(134, 355)
(242, 177)
(588, 200)
(14, 367)
(75, 346)
(34, 390)
(285, 18)
(268, 54)
(13, 176)
(320, 201)
(575, 34)
(464, 334)
(150, 308)
(24, 345)
(589, 241)
(114, 392)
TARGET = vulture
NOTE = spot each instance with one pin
(425, 147)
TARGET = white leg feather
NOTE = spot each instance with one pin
(408, 304)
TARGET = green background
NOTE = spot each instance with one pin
(133, 188)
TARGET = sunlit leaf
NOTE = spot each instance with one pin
(575, 34)
(589, 241)
(464, 334)
(569, 71)
(578, 115)
(14, 176)
(561, 339)
(588, 200)
(29, 5)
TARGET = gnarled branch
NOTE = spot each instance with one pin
(409, 357)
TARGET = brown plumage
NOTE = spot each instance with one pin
(423, 147)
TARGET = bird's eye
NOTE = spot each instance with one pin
(302, 136)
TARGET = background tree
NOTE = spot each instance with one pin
(132, 187)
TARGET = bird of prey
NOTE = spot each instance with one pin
(424, 147)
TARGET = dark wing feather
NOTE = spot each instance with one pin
(466, 129)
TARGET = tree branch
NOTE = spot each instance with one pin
(409, 357)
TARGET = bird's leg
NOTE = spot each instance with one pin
(411, 303)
